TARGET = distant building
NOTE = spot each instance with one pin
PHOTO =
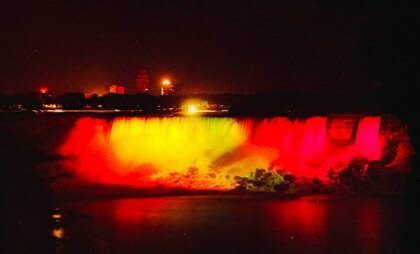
(113, 89)
(142, 82)
(117, 89)
(178, 89)
(169, 88)
(45, 95)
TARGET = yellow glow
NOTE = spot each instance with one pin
(51, 106)
(192, 109)
(175, 144)
(166, 82)
(194, 106)
(56, 216)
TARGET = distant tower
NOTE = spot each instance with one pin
(170, 88)
(166, 88)
(142, 82)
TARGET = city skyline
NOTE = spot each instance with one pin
(210, 48)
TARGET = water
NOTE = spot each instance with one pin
(150, 151)
(186, 224)
(231, 224)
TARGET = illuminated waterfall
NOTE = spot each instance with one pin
(207, 153)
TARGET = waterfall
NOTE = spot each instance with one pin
(206, 152)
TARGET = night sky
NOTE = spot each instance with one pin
(225, 46)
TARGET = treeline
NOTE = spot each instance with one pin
(260, 104)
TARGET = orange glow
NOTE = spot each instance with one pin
(58, 232)
(192, 109)
(56, 216)
(166, 82)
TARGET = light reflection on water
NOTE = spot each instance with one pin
(226, 224)
(58, 232)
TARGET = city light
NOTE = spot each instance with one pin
(43, 90)
(58, 232)
(194, 106)
(166, 82)
(192, 109)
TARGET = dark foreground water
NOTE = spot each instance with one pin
(230, 224)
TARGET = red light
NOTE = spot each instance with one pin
(151, 151)
(43, 90)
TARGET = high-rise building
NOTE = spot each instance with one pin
(170, 88)
(142, 82)
(166, 87)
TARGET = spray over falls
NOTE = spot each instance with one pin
(211, 153)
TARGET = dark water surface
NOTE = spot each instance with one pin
(231, 224)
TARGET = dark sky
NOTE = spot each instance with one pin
(220, 46)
